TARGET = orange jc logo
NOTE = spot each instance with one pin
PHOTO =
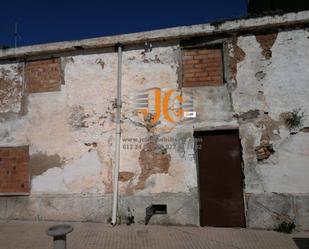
(159, 103)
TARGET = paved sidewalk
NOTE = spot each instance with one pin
(31, 235)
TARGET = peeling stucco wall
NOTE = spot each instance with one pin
(71, 137)
(272, 80)
(71, 133)
(11, 88)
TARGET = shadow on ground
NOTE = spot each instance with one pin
(302, 243)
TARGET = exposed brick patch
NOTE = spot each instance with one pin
(266, 42)
(39, 163)
(153, 159)
(125, 176)
(270, 132)
(264, 150)
(202, 67)
(14, 170)
(43, 75)
(238, 55)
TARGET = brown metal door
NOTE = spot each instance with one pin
(220, 179)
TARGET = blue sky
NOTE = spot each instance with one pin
(50, 21)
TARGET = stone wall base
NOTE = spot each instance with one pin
(266, 211)
(182, 208)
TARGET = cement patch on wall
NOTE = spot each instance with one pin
(81, 176)
(182, 209)
(269, 210)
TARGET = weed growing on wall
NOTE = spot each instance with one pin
(285, 227)
(295, 119)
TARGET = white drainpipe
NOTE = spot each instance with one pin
(118, 136)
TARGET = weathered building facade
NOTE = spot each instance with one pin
(247, 76)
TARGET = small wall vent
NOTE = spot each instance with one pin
(155, 209)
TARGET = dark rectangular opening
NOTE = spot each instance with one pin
(159, 209)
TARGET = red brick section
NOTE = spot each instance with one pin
(202, 67)
(43, 75)
(14, 170)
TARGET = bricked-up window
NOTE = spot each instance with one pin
(43, 75)
(202, 67)
(14, 170)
